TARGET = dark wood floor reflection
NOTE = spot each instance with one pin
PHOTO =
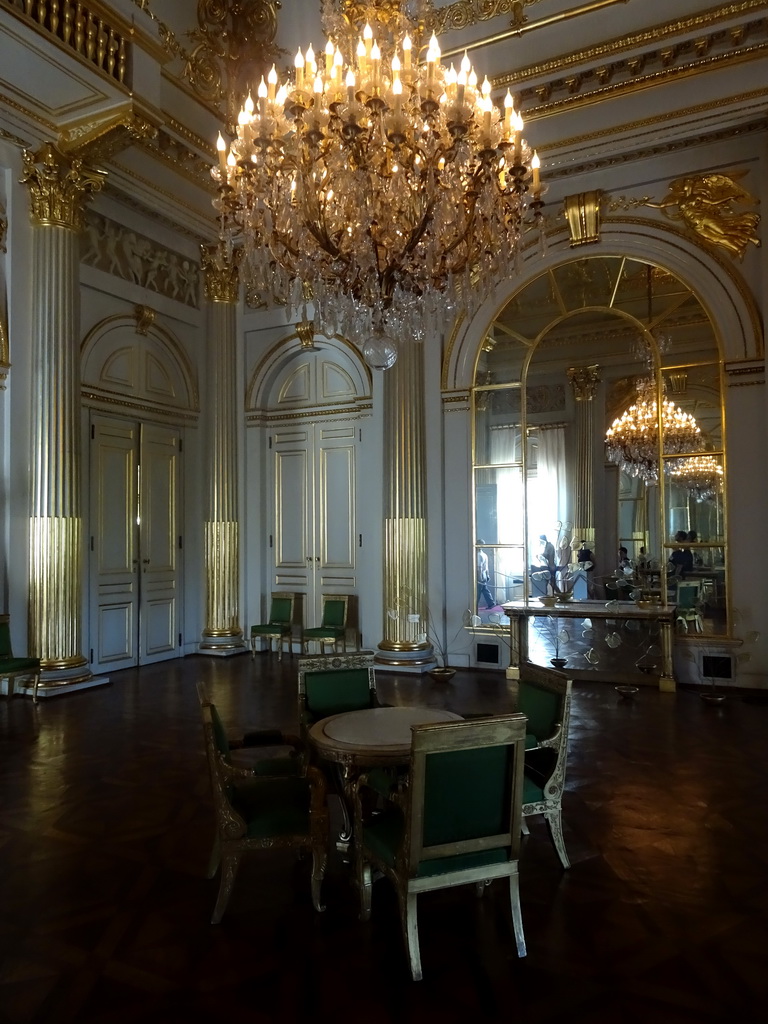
(106, 825)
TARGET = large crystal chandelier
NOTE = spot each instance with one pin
(632, 440)
(378, 184)
(702, 475)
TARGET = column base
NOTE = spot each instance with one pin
(59, 682)
(416, 662)
(222, 646)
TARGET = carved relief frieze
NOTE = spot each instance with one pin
(117, 250)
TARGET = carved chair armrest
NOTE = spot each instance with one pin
(554, 740)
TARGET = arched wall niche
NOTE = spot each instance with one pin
(716, 281)
(128, 362)
(331, 375)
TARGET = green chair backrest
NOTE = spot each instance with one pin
(5, 638)
(219, 732)
(466, 794)
(331, 693)
(281, 611)
(542, 708)
(334, 614)
(687, 595)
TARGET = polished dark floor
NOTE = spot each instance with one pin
(105, 831)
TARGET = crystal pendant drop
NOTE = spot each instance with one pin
(379, 351)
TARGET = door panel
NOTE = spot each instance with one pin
(314, 517)
(159, 540)
(135, 560)
(114, 584)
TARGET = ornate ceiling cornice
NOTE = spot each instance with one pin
(647, 70)
(658, 33)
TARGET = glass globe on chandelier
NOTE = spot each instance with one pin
(632, 440)
(379, 185)
(702, 475)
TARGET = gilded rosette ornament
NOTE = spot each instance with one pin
(221, 272)
(58, 187)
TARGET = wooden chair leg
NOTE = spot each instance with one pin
(555, 824)
(409, 914)
(229, 865)
(517, 914)
(319, 861)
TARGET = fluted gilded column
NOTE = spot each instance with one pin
(406, 616)
(223, 634)
(584, 381)
(58, 190)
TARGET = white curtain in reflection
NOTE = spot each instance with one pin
(548, 501)
(505, 448)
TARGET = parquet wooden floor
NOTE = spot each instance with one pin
(105, 832)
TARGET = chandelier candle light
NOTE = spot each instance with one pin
(632, 441)
(386, 189)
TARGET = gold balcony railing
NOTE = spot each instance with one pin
(79, 28)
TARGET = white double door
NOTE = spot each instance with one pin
(315, 541)
(135, 543)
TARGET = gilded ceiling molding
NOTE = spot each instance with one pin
(58, 186)
(632, 80)
(741, 100)
(174, 201)
(682, 26)
(654, 150)
(221, 272)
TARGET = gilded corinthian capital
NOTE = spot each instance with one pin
(584, 381)
(221, 268)
(58, 186)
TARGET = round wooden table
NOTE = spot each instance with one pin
(372, 736)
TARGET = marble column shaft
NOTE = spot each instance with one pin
(584, 381)
(58, 188)
(405, 538)
(223, 633)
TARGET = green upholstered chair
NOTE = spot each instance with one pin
(16, 668)
(278, 803)
(279, 626)
(688, 606)
(456, 822)
(333, 624)
(332, 683)
(544, 697)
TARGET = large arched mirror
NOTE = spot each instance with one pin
(598, 419)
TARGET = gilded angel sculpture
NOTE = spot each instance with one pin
(706, 204)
